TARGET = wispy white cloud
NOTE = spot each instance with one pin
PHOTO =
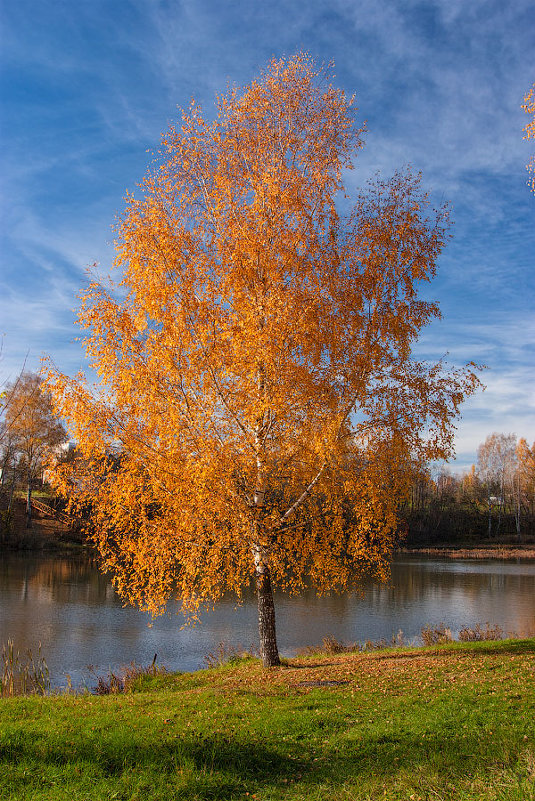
(91, 86)
(505, 344)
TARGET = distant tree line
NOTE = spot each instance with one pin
(29, 432)
(494, 499)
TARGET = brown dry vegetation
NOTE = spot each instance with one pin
(487, 552)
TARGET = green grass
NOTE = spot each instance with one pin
(450, 722)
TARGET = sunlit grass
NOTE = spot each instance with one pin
(449, 722)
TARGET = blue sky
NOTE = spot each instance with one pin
(87, 88)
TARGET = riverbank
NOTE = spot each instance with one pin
(46, 533)
(495, 551)
(58, 534)
(449, 722)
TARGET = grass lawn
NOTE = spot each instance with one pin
(450, 722)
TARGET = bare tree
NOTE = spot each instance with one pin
(497, 462)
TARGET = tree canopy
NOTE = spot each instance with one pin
(255, 359)
(30, 430)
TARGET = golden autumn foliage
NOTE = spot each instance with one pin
(525, 478)
(529, 107)
(257, 385)
(30, 431)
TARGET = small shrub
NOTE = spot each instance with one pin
(129, 679)
(436, 635)
(331, 646)
(226, 654)
(398, 640)
(109, 685)
(376, 645)
(479, 634)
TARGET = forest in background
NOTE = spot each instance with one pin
(494, 500)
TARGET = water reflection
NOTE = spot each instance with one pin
(53, 580)
(70, 607)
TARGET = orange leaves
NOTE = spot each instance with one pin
(529, 108)
(257, 389)
(30, 428)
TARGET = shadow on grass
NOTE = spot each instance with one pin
(189, 767)
(212, 767)
(473, 648)
(505, 647)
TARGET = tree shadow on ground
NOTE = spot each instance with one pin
(474, 649)
(210, 767)
(213, 767)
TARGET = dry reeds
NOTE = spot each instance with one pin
(480, 634)
(127, 679)
(23, 675)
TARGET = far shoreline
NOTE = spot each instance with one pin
(475, 552)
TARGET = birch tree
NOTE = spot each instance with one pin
(33, 428)
(497, 463)
(255, 363)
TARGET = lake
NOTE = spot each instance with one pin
(71, 608)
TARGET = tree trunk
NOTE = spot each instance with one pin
(517, 515)
(11, 490)
(29, 502)
(501, 505)
(269, 652)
